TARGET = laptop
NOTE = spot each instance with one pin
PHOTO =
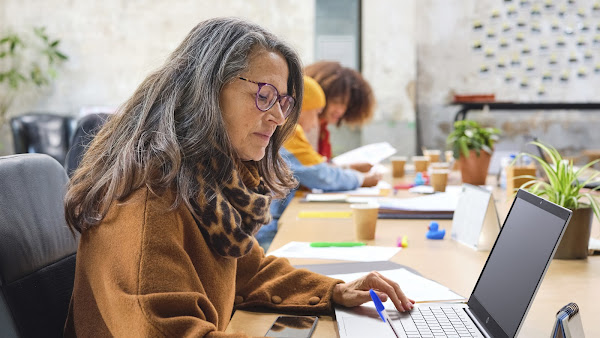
(503, 293)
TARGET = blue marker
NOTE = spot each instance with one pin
(381, 310)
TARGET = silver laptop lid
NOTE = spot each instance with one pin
(517, 264)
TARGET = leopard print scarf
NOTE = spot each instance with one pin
(239, 208)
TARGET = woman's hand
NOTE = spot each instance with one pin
(363, 167)
(357, 292)
(372, 179)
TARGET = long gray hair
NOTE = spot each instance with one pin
(173, 123)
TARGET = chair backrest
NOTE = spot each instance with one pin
(85, 131)
(42, 133)
(37, 250)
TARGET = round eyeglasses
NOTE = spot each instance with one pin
(267, 95)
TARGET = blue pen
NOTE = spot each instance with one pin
(381, 310)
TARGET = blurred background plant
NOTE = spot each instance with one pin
(469, 135)
(28, 63)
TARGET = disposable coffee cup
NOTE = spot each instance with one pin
(365, 220)
(398, 163)
(433, 155)
(439, 179)
(420, 163)
(438, 166)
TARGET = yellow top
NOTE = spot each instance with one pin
(299, 146)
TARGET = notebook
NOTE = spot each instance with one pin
(498, 304)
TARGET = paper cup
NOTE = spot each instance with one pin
(433, 155)
(365, 220)
(439, 179)
(438, 166)
(421, 163)
(398, 163)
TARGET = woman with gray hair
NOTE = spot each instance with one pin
(173, 188)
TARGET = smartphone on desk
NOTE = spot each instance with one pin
(293, 327)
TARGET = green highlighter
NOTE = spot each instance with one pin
(335, 244)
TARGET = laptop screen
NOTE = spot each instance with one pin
(517, 263)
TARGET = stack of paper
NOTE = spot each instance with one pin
(439, 205)
(365, 253)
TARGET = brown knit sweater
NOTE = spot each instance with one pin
(147, 271)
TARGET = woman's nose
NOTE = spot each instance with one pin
(277, 114)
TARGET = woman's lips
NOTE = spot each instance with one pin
(264, 136)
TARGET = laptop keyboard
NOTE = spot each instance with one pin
(435, 322)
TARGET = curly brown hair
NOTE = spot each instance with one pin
(345, 85)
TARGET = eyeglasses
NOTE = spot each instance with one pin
(267, 95)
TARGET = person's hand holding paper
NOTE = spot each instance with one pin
(356, 292)
(363, 167)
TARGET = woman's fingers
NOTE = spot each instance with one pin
(407, 302)
(357, 292)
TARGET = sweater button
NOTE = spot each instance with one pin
(314, 300)
(238, 300)
(276, 299)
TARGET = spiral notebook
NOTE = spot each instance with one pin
(568, 323)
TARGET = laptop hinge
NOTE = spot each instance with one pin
(476, 322)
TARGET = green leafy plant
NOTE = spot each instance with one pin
(564, 183)
(469, 135)
(27, 62)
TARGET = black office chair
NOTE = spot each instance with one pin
(87, 128)
(37, 250)
(42, 133)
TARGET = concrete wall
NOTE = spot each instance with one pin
(447, 64)
(113, 44)
(408, 47)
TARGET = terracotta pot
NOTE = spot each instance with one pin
(474, 169)
(574, 243)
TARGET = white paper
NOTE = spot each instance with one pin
(371, 153)
(360, 195)
(326, 198)
(414, 286)
(421, 189)
(443, 201)
(365, 253)
(594, 244)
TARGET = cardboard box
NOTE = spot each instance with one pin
(512, 183)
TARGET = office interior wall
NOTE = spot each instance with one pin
(114, 44)
(389, 64)
(447, 64)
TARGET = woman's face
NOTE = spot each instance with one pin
(309, 119)
(334, 111)
(250, 129)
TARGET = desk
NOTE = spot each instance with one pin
(440, 261)
(465, 107)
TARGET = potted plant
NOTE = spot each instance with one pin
(563, 185)
(28, 62)
(473, 146)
